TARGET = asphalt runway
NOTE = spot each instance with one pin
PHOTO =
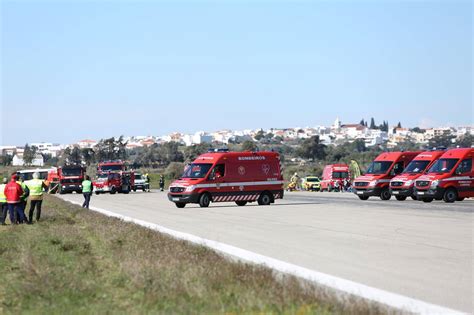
(420, 250)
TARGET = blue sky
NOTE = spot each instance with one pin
(93, 69)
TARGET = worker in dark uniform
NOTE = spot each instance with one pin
(23, 201)
(162, 183)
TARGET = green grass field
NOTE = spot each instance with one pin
(76, 261)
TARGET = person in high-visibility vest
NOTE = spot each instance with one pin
(36, 186)
(23, 200)
(3, 201)
(87, 189)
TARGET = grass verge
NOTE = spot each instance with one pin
(76, 261)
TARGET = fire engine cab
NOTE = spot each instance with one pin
(239, 177)
(376, 180)
(402, 186)
(450, 178)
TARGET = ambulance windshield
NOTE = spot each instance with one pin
(416, 166)
(443, 166)
(379, 167)
(196, 170)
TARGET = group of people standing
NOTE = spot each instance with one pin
(14, 195)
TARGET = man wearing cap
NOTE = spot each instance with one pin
(13, 193)
(3, 201)
(35, 186)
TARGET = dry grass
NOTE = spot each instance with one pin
(77, 261)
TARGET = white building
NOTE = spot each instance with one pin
(87, 144)
(47, 148)
(8, 150)
(18, 160)
(198, 138)
(353, 131)
(436, 132)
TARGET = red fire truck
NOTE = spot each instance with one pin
(402, 186)
(70, 178)
(334, 173)
(376, 180)
(450, 178)
(223, 176)
(113, 177)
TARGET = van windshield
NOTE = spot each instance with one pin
(340, 175)
(379, 167)
(443, 166)
(416, 167)
(196, 170)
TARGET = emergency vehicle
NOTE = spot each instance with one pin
(402, 186)
(450, 178)
(311, 183)
(334, 173)
(376, 180)
(70, 178)
(223, 176)
(140, 182)
(113, 177)
(113, 182)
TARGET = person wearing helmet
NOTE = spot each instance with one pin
(295, 179)
(36, 186)
(3, 201)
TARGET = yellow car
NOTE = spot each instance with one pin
(311, 183)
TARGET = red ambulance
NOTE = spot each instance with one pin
(376, 180)
(402, 186)
(334, 173)
(451, 178)
(223, 176)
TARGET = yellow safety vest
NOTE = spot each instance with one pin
(23, 186)
(3, 198)
(86, 186)
(35, 186)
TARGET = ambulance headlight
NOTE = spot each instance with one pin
(434, 184)
(373, 183)
(190, 188)
(408, 182)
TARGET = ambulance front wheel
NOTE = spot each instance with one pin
(204, 200)
(450, 195)
(241, 203)
(180, 204)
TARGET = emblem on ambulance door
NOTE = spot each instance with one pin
(241, 170)
(266, 168)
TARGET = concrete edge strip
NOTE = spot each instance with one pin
(377, 295)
